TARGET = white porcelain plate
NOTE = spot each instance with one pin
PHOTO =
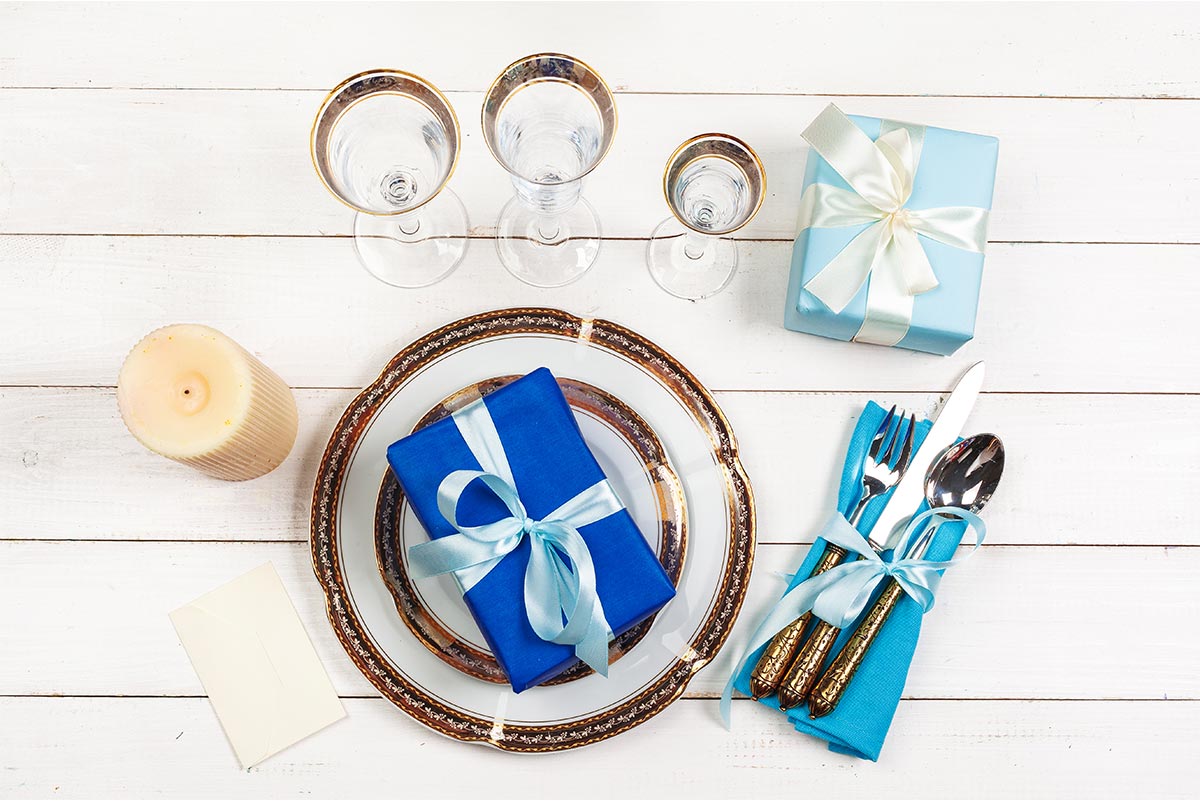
(419, 671)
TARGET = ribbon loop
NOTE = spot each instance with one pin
(881, 174)
(561, 601)
(871, 172)
(839, 595)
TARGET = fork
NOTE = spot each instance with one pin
(882, 470)
(878, 477)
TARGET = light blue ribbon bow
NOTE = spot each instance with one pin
(561, 601)
(839, 595)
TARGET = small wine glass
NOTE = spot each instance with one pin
(714, 184)
(549, 119)
(385, 143)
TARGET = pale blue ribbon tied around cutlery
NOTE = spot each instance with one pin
(561, 600)
(859, 723)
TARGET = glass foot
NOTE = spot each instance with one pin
(415, 249)
(689, 265)
(548, 251)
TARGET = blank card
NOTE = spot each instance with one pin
(257, 665)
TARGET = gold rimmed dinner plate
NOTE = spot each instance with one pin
(699, 448)
(638, 457)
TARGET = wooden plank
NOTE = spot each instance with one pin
(1052, 317)
(91, 619)
(230, 162)
(80, 748)
(982, 49)
(69, 469)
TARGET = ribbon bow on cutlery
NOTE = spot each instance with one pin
(965, 476)
(839, 595)
(882, 468)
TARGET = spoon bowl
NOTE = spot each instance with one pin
(966, 474)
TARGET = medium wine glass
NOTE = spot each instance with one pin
(714, 184)
(385, 143)
(549, 119)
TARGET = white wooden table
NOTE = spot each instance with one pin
(154, 169)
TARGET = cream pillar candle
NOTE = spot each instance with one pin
(192, 394)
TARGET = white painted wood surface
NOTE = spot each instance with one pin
(154, 169)
(115, 289)
(237, 162)
(967, 648)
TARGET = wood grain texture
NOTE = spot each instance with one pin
(1029, 623)
(985, 749)
(154, 169)
(229, 162)
(70, 470)
(925, 48)
(312, 314)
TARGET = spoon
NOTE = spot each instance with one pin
(965, 475)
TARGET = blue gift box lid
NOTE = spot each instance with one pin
(550, 464)
(956, 169)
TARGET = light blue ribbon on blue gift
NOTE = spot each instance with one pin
(561, 600)
(839, 595)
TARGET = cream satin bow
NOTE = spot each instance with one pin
(881, 174)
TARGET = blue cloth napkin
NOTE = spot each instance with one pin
(860, 722)
(550, 464)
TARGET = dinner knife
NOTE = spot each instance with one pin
(908, 494)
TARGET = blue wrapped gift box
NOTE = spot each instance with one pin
(955, 169)
(550, 464)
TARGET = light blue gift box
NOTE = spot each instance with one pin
(955, 169)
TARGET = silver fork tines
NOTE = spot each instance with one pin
(883, 468)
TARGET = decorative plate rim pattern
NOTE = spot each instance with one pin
(671, 683)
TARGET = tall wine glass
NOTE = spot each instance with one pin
(549, 119)
(385, 143)
(714, 185)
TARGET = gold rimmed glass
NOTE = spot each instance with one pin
(385, 143)
(548, 119)
(714, 184)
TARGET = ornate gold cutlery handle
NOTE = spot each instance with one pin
(779, 653)
(829, 689)
(805, 663)
(806, 667)
(880, 474)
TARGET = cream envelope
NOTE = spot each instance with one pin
(257, 664)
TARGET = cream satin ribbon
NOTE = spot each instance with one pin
(881, 174)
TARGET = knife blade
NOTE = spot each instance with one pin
(948, 424)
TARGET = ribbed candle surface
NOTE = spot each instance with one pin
(192, 394)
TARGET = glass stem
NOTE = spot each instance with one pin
(548, 227)
(694, 245)
(548, 199)
(409, 223)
